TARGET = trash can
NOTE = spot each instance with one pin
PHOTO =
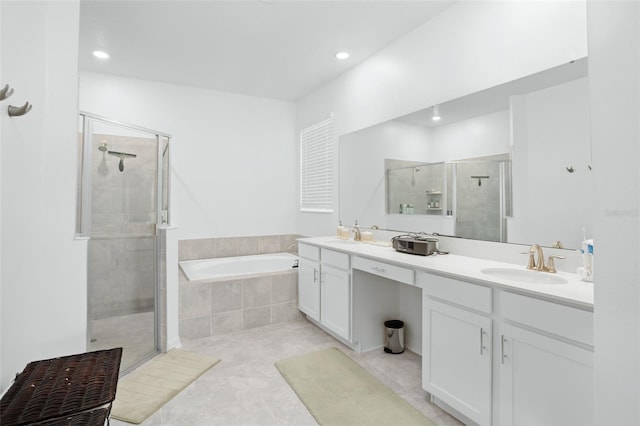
(394, 336)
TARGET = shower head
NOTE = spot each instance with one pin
(103, 147)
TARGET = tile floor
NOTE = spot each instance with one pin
(246, 389)
(133, 332)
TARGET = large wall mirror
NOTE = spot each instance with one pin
(511, 164)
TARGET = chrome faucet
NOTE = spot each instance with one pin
(539, 265)
(357, 236)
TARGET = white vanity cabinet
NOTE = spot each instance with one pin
(456, 353)
(324, 288)
(309, 281)
(546, 363)
(335, 292)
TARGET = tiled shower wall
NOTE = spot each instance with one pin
(121, 276)
(478, 206)
(121, 249)
(209, 308)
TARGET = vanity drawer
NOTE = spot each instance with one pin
(392, 272)
(309, 252)
(565, 321)
(335, 259)
(469, 295)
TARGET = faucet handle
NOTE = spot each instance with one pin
(551, 266)
(532, 262)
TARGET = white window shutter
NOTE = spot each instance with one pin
(316, 167)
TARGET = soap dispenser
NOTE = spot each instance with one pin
(342, 231)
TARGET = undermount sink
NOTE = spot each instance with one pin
(524, 276)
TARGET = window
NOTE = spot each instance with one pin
(316, 167)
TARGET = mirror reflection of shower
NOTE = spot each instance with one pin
(122, 155)
(414, 170)
(469, 197)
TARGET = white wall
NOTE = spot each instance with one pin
(471, 46)
(233, 160)
(614, 84)
(1, 243)
(43, 281)
(551, 133)
(233, 156)
(481, 136)
(362, 169)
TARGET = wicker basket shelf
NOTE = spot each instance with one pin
(71, 390)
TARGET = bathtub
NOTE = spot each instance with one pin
(237, 267)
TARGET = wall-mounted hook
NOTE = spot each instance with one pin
(5, 92)
(18, 111)
(589, 166)
(570, 169)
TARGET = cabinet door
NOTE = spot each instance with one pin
(456, 359)
(336, 300)
(309, 288)
(544, 381)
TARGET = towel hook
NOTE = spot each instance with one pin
(5, 92)
(18, 111)
(570, 169)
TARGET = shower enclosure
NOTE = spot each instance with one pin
(123, 198)
(475, 193)
(482, 191)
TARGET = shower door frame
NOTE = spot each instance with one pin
(162, 215)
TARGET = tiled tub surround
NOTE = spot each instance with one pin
(213, 307)
(208, 248)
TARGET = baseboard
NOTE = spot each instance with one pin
(452, 411)
(175, 343)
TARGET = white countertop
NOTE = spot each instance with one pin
(575, 292)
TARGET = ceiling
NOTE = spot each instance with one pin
(267, 48)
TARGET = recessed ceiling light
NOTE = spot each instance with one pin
(100, 54)
(436, 114)
(342, 55)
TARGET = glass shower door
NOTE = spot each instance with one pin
(479, 200)
(122, 264)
